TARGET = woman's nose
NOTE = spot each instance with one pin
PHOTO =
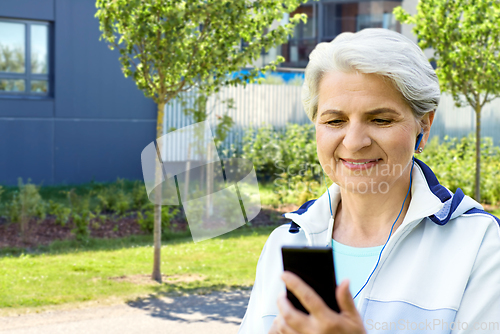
(356, 137)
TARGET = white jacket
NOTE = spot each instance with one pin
(439, 273)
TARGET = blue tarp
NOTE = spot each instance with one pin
(287, 76)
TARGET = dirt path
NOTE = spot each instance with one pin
(216, 313)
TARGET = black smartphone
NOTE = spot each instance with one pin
(315, 266)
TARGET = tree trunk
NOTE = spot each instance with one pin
(210, 180)
(157, 207)
(24, 219)
(188, 168)
(478, 152)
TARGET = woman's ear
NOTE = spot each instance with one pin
(426, 123)
(427, 120)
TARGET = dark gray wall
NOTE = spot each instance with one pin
(26, 150)
(28, 9)
(97, 122)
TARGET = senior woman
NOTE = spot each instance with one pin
(418, 257)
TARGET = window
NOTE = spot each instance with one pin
(24, 58)
(298, 48)
(338, 18)
(385, 20)
(329, 18)
(355, 16)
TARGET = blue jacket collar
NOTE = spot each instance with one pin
(429, 199)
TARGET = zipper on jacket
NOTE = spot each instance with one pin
(404, 232)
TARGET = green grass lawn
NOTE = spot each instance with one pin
(68, 274)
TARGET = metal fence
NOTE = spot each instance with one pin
(254, 106)
(459, 122)
(276, 105)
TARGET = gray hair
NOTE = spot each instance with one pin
(374, 51)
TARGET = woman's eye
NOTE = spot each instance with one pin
(382, 121)
(335, 122)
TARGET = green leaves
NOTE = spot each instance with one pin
(171, 46)
(274, 152)
(452, 160)
(465, 37)
(26, 204)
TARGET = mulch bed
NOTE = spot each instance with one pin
(44, 232)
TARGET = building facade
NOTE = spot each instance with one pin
(326, 19)
(67, 114)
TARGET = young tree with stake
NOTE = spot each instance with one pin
(172, 46)
(465, 37)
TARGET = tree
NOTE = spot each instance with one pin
(465, 36)
(171, 46)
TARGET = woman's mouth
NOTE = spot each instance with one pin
(359, 164)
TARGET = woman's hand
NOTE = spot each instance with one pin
(321, 319)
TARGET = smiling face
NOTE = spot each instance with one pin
(365, 132)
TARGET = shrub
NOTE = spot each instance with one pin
(453, 161)
(287, 158)
(297, 189)
(81, 215)
(290, 151)
(61, 212)
(82, 221)
(145, 218)
(26, 204)
(113, 198)
(139, 195)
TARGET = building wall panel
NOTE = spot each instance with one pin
(19, 107)
(89, 81)
(28, 9)
(26, 151)
(98, 150)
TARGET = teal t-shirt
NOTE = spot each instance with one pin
(354, 263)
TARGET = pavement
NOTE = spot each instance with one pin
(215, 313)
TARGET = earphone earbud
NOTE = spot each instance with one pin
(419, 139)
